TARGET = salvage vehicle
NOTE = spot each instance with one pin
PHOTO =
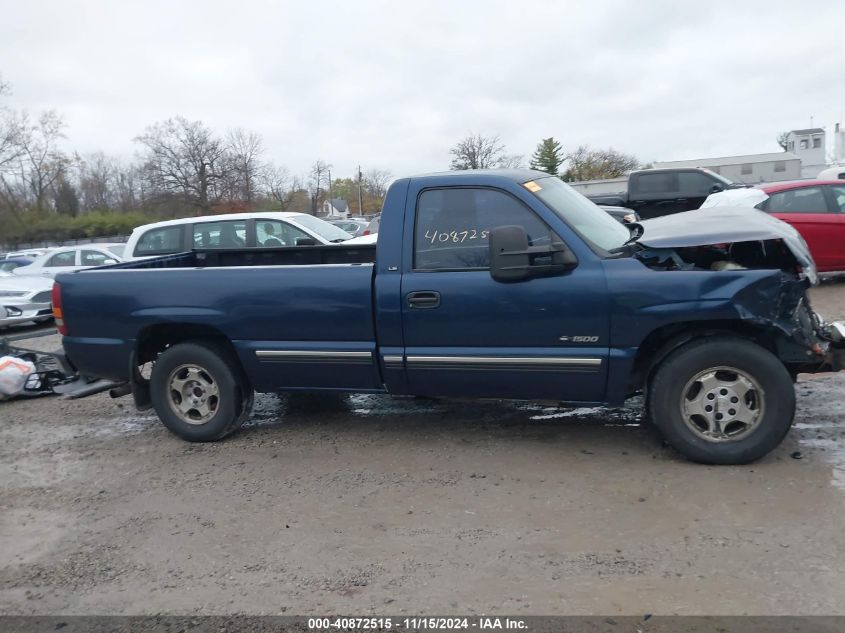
(657, 192)
(232, 230)
(485, 284)
(353, 226)
(24, 299)
(67, 258)
(9, 264)
(816, 208)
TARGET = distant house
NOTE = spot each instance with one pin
(839, 145)
(335, 208)
(749, 168)
(809, 146)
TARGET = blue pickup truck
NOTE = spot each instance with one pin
(487, 284)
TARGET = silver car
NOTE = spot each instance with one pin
(24, 299)
(353, 226)
(68, 258)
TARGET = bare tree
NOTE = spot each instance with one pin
(589, 164)
(376, 181)
(10, 130)
(512, 161)
(97, 176)
(477, 152)
(65, 196)
(278, 185)
(781, 140)
(41, 162)
(128, 187)
(245, 150)
(317, 176)
(184, 158)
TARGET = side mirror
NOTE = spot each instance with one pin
(512, 259)
(107, 262)
(716, 188)
(306, 241)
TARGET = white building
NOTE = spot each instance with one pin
(335, 208)
(749, 168)
(809, 146)
(838, 145)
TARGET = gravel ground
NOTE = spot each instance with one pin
(374, 504)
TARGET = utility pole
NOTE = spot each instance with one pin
(360, 197)
(329, 169)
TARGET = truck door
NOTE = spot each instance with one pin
(468, 335)
(654, 194)
(694, 187)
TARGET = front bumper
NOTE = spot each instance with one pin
(834, 334)
(14, 312)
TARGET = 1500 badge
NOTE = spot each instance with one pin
(579, 339)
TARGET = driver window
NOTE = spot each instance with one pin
(272, 233)
(806, 200)
(94, 258)
(453, 226)
(228, 234)
(695, 183)
(66, 258)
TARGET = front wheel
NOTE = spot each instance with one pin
(722, 401)
(198, 391)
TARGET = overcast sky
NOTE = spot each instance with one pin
(394, 84)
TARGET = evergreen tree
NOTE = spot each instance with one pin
(548, 156)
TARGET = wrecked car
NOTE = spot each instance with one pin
(486, 284)
(24, 300)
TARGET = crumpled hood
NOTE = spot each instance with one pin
(720, 225)
(750, 197)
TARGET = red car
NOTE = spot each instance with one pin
(817, 209)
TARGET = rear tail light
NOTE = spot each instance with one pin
(58, 315)
(366, 232)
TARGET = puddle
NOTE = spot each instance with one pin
(273, 409)
(122, 425)
(820, 422)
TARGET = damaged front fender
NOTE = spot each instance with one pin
(780, 302)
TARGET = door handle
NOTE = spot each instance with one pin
(423, 300)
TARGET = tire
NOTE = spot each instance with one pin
(744, 385)
(199, 391)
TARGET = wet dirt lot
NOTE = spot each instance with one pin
(368, 504)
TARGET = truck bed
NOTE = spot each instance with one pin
(289, 313)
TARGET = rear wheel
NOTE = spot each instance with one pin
(722, 401)
(199, 392)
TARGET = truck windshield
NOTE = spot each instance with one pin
(718, 177)
(326, 230)
(584, 217)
